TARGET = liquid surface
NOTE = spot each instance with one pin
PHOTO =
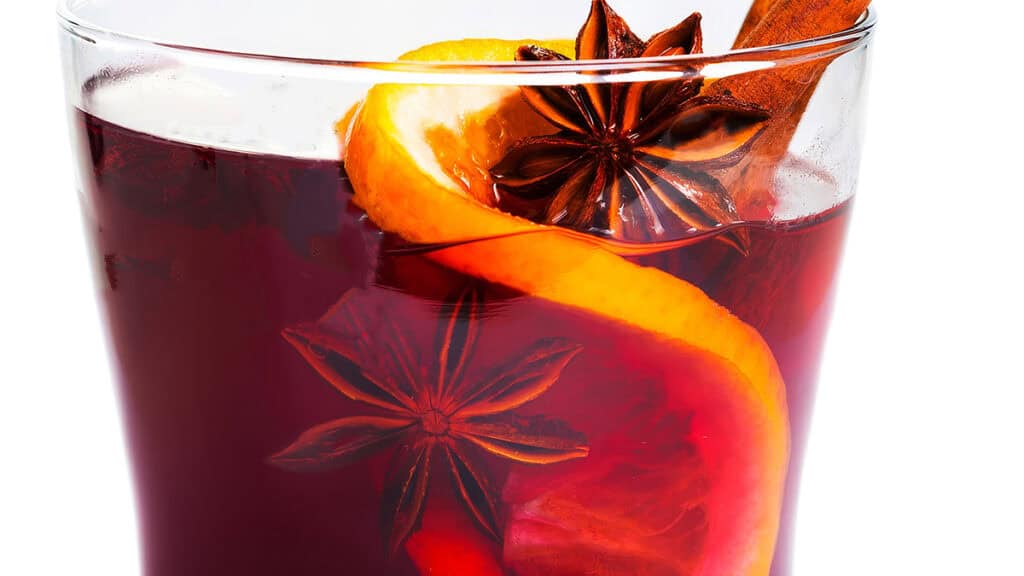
(219, 270)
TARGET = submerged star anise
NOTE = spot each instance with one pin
(431, 410)
(630, 160)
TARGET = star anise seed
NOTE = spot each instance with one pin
(629, 160)
(436, 417)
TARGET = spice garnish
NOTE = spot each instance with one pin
(630, 160)
(440, 416)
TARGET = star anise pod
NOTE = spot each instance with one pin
(431, 410)
(630, 160)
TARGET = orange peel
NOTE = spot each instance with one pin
(418, 159)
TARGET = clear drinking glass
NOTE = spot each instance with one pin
(484, 310)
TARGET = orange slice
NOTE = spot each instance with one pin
(418, 159)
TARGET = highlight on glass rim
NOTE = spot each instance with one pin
(540, 306)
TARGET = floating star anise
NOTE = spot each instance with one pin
(630, 160)
(431, 410)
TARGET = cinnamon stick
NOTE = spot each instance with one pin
(793, 20)
(755, 15)
(785, 91)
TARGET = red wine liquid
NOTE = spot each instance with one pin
(206, 260)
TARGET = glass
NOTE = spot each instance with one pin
(459, 314)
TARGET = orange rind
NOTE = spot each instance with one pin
(418, 157)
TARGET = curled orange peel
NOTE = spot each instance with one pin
(418, 158)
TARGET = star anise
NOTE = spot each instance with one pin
(630, 160)
(431, 410)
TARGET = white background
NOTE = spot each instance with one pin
(915, 465)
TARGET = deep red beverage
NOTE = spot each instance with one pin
(305, 394)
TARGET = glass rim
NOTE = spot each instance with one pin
(788, 53)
